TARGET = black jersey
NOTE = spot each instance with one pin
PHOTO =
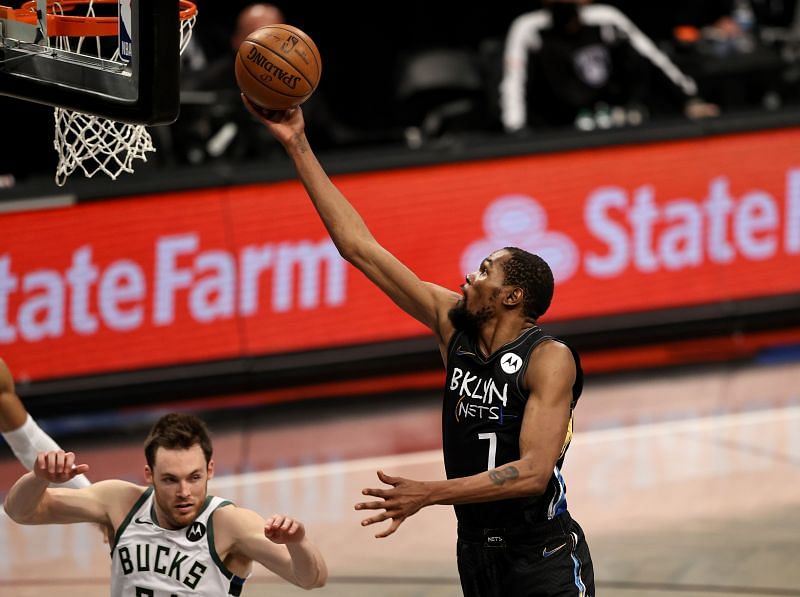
(484, 400)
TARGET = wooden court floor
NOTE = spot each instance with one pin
(686, 483)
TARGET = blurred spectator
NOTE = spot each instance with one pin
(582, 64)
(727, 25)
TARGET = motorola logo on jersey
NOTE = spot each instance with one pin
(510, 363)
(520, 221)
(196, 531)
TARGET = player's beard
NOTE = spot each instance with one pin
(465, 321)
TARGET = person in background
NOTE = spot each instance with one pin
(572, 56)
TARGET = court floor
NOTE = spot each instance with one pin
(686, 483)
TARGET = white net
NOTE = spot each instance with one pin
(93, 143)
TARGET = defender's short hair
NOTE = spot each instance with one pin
(177, 431)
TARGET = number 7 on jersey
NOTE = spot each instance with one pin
(492, 437)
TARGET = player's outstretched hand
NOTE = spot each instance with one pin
(282, 529)
(285, 125)
(58, 466)
(404, 499)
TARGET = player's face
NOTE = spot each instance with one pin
(483, 286)
(180, 479)
(481, 290)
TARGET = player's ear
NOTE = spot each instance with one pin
(210, 469)
(514, 297)
(148, 474)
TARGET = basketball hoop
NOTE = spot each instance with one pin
(93, 143)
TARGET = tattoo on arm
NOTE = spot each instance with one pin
(501, 475)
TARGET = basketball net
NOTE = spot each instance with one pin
(93, 143)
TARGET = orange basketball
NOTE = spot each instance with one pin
(278, 67)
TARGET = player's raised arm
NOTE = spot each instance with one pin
(425, 302)
(32, 501)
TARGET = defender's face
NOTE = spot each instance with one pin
(180, 479)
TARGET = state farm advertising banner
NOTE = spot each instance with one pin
(223, 273)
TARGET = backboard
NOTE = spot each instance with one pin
(118, 59)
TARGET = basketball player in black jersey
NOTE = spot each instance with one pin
(509, 395)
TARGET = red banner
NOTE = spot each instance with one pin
(221, 273)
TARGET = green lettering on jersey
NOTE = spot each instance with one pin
(143, 563)
(195, 574)
(125, 560)
(156, 567)
(175, 566)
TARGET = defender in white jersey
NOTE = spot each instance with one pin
(170, 538)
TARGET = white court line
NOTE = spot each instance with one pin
(695, 425)
(710, 423)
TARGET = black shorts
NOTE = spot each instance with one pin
(544, 560)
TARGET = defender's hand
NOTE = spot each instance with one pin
(58, 466)
(282, 529)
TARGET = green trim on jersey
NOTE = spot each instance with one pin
(145, 494)
(211, 547)
(154, 515)
(205, 505)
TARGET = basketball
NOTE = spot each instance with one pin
(278, 67)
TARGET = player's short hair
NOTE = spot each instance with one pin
(177, 431)
(531, 273)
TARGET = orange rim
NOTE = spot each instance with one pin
(63, 24)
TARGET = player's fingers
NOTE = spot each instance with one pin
(277, 521)
(41, 460)
(370, 505)
(251, 107)
(287, 524)
(69, 462)
(374, 492)
(376, 518)
(81, 469)
(60, 460)
(396, 522)
(262, 113)
(388, 479)
(51, 462)
(293, 528)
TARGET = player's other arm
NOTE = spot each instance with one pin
(31, 501)
(425, 302)
(550, 378)
(279, 544)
